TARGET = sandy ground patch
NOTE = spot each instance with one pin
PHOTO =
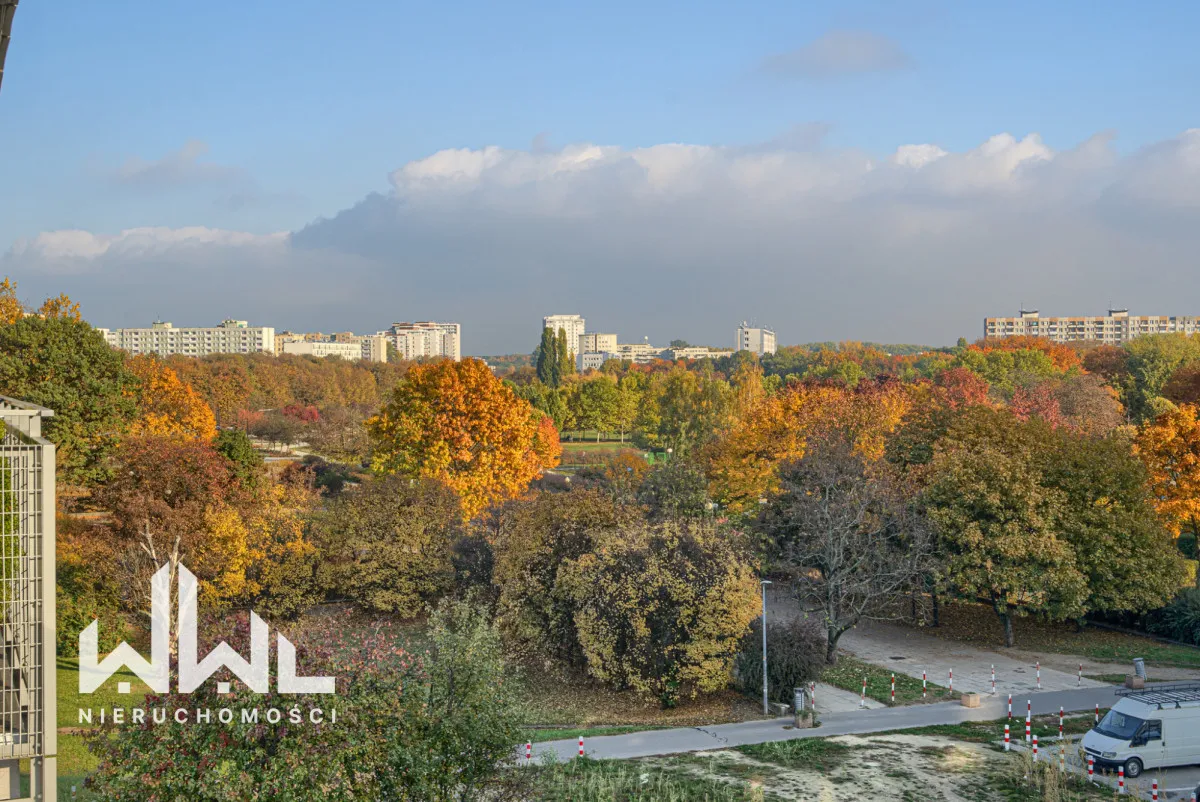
(902, 768)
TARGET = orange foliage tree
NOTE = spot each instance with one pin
(1064, 357)
(166, 405)
(456, 422)
(1170, 447)
(743, 462)
(11, 309)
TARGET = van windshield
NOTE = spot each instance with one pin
(1121, 726)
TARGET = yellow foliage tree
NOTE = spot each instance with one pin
(168, 406)
(456, 422)
(60, 307)
(743, 462)
(11, 309)
(1170, 447)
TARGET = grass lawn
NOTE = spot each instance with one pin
(1044, 727)
(976, 623)
(849, 672)
(818, 753)
(560, 696)
(585, 780)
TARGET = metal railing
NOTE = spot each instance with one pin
(28, 726)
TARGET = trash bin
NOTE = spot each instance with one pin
(1139, 667)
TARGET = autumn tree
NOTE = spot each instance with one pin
(533, 540)
(11, 308)
(456, 422)
(1152, 361)
(1170, 448)
(388, 546)
(173, 501)
(998, 525)
(674, 491)
(165, 405)
(246, 462)
(340, 434)
(662, 609)
(67, 366)
(843, 525)
(62, 307)
(683, 410)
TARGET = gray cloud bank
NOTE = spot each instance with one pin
(681, 241)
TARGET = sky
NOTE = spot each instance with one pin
(884, 171)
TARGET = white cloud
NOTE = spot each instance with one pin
(678, 240)
(839, 53)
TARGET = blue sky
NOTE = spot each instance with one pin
(260, 117)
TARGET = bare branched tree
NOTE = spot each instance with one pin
(845, 525)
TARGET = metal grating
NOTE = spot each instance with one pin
(27, 644)
(1165, 693)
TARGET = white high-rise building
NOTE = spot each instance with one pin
(573, 325)
(426, 339)
(597, 343)
(231, 337)
(758, 340)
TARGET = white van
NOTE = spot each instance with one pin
(1155, 727)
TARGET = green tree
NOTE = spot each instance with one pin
(673, 491)
(998, 525)
(235, 446)
(1121, 546)
(596, 404)
(566, 365)
(388, 546)
(549, 371)
(65, 364)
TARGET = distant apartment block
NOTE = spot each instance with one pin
(1116, 327)
(573, 325)
(426, 339)
(696, 352)
(373, 347)
(760, 341)
(348, 351)
(231, 337)
(597, 343)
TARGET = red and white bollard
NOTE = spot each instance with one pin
(812, 694)
(1028, 708)
(1006, 744)
(952, 680)
(993, 680)
(1097, 714)
(1091, 768)
(529, 750)
(581, 746)
(1154, 791)
(1062, 760)
(1028, 728)
(1035, 749)
(1039, 674)
(863, 701)
(1060, 722)
(1010, 707)
(923, 683)
(893, 689)
(1120, 779)
(1080, 680)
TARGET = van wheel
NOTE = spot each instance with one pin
(1133, 768)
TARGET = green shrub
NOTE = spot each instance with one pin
(795, 657)
(1179, 620)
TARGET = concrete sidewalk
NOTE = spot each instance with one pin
(696, 739)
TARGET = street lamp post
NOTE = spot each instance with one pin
(766, 704)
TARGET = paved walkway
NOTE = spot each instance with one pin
(910, 652)
(720, 736)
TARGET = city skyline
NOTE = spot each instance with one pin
(841, 171)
